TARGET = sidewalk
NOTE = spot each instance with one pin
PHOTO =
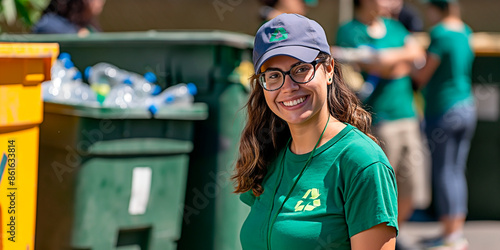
(482, 235)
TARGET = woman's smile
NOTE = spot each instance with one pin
(295, 102)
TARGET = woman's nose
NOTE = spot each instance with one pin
(289, 84)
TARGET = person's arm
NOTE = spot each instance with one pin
(379, 237)
(393, 63)
(422, 76)
(410, 52)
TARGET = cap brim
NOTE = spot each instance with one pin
(301, 53)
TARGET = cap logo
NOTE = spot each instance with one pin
(279, 35)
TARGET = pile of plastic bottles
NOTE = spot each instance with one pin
(110, 86)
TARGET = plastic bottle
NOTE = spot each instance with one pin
(49, 91)
(63, 69)
(72, 92)
(81, 92)
(180, 94)
(109, 74)
(121, 96)
(145, 84)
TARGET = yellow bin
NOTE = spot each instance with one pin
(23, 67)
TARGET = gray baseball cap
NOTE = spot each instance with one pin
(290, 35)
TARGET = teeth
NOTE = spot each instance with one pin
(294, 102)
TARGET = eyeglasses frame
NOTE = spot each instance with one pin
(313, 63)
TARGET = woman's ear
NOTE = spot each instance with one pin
(330, 71)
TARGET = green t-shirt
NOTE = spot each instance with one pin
(347, 188)
(392, 99)
(451, 83)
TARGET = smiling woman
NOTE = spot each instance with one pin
(313, 175)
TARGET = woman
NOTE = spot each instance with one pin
(386, 72)
(309, 169)
(450, 116)
(70, 17)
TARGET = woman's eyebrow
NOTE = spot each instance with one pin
(293, 65)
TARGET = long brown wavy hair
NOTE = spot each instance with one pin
(265, 134)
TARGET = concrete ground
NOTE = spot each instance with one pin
(482, 235)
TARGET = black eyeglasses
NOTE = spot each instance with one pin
(273, 79)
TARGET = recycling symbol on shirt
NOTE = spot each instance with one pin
(309, 201)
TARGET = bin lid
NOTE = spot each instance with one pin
(234, 39)
(196, 111)
(28, 50)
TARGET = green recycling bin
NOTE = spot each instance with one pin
(483, 166)
(214, 61)
(113, 178)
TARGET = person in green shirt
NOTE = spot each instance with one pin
(313, 175)
(385, 55)
(450, 116)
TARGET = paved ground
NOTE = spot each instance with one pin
(482, 235)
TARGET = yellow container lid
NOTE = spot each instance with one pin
(29, 50)
(23, 67)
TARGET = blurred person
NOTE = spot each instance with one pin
(450, 116)
(70, 17)
(273, 8)
(405, 13)
(308, 167)
(385, 52)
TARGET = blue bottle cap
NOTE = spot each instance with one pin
(150, 77)
(64, 55)
(153, 109)
(78, 76)
(169, 99)
(88, 71)
(156, 90)
(192, 88)
(127, 81)
(68, 64)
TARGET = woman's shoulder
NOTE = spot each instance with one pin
(360, 151)
(359, 140)
(52, 23)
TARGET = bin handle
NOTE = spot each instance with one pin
(140, 146)
(34, 79)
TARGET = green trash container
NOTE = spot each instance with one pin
(483, 166)
(213, 215)
(112, 178)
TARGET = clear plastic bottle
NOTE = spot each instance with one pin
(145, 84)
(179, 94)
(104, 73)
(112, 75)
(82, 93)
(121, 96)
(72, 92)
(63, 69)
(49, 90)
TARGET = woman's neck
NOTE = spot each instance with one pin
(305, 136)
